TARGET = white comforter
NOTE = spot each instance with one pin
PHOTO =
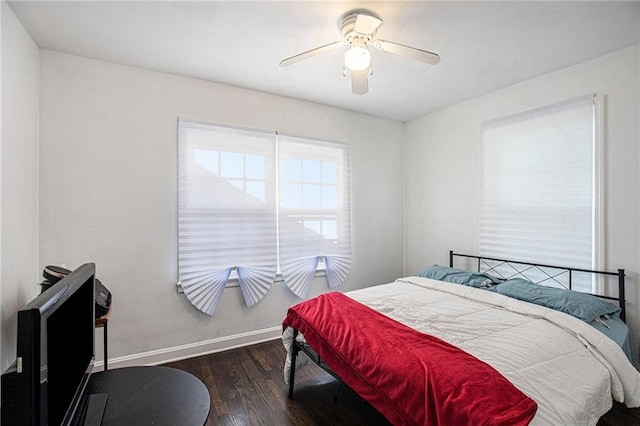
(569, 368)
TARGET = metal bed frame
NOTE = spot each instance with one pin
(523, 270)
(312, 354)
(484, 264)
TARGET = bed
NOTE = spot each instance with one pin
(471, 348)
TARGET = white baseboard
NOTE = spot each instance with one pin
(191, 350)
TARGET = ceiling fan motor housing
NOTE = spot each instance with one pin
(348, 28)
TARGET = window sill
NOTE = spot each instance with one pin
(233, 281)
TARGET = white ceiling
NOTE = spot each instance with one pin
(484, 46)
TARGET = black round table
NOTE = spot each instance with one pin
(151, 396)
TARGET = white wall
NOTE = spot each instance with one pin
(108, 187)
(442, 163)
(18, 178)
(108, 145)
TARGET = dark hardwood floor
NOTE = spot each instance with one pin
(247, 388)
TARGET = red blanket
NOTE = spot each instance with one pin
(410, 377)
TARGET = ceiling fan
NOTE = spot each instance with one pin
(358, 28)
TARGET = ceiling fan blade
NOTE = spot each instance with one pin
(402, 50)
(309, 53)
(366, 24)
(359, 81)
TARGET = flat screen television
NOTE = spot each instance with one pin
(55, 353)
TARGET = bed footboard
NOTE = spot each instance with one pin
(295, 348)
(298, 346)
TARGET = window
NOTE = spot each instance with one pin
(539, 187)
(254, 204)
(314, 212)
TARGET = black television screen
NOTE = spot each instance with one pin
(55, 351)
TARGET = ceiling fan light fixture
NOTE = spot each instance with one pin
(357, 58)
(359, 28)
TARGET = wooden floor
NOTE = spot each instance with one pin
(247, 388)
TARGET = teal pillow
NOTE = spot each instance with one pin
(580, 305)
(459, 276)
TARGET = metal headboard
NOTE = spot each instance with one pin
(521, 268)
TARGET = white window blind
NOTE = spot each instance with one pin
(314, 213)
(248, 199)
(226, 212)
(539, 197)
